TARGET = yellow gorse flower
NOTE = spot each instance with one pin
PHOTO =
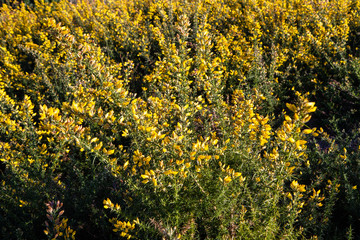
(297, 187)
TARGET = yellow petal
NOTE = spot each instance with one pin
(309, 104)
(307, 131)
(154, 181)
(292, 107)
(227, 179)
(237, 174)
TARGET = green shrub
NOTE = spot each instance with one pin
(179, 119)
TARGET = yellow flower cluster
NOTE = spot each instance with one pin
(123, 227)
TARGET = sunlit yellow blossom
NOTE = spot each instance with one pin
(107, 203)
(170, 172)
(227, 179)
(297, 187)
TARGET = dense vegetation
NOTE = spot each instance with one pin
(180, 119)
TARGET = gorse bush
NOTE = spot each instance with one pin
(179, 119)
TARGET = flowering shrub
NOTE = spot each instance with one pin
(179, 119)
